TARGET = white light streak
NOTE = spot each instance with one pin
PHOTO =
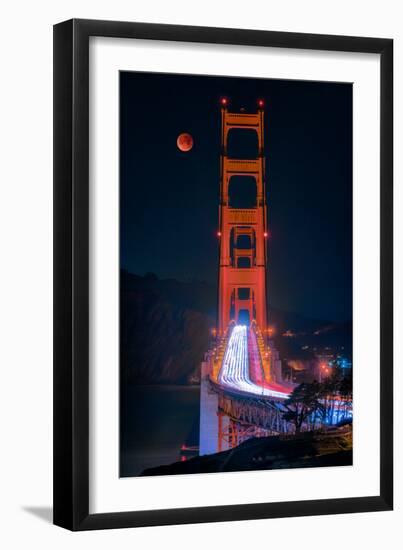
(234, 373)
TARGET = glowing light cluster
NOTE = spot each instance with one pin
(234, 373)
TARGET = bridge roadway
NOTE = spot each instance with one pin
(235, 373)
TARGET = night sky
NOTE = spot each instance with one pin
(169, 199)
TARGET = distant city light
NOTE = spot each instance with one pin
(271, 331)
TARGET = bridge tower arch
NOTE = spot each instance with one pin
(241, 267)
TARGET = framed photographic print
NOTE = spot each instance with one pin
(223, 274)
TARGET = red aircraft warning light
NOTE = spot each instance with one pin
(265, 234)
(260, 103)
(224, 101)
(218, 233)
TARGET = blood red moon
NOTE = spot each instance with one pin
(184, 142)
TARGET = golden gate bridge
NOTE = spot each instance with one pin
(242, 391)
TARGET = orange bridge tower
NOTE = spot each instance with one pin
(242, 267)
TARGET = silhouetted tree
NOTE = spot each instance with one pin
(335, 389)
(304, 403)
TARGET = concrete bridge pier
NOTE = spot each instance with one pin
(208, 414)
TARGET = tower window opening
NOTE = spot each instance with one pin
(242, 143)
(244, 317)
(242, 191)
(244, 262)
(244, 293)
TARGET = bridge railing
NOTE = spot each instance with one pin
(264, 352)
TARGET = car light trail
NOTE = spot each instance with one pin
(234, 373)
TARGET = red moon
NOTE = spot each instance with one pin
(184, 142)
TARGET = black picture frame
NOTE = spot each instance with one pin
(71, 274)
